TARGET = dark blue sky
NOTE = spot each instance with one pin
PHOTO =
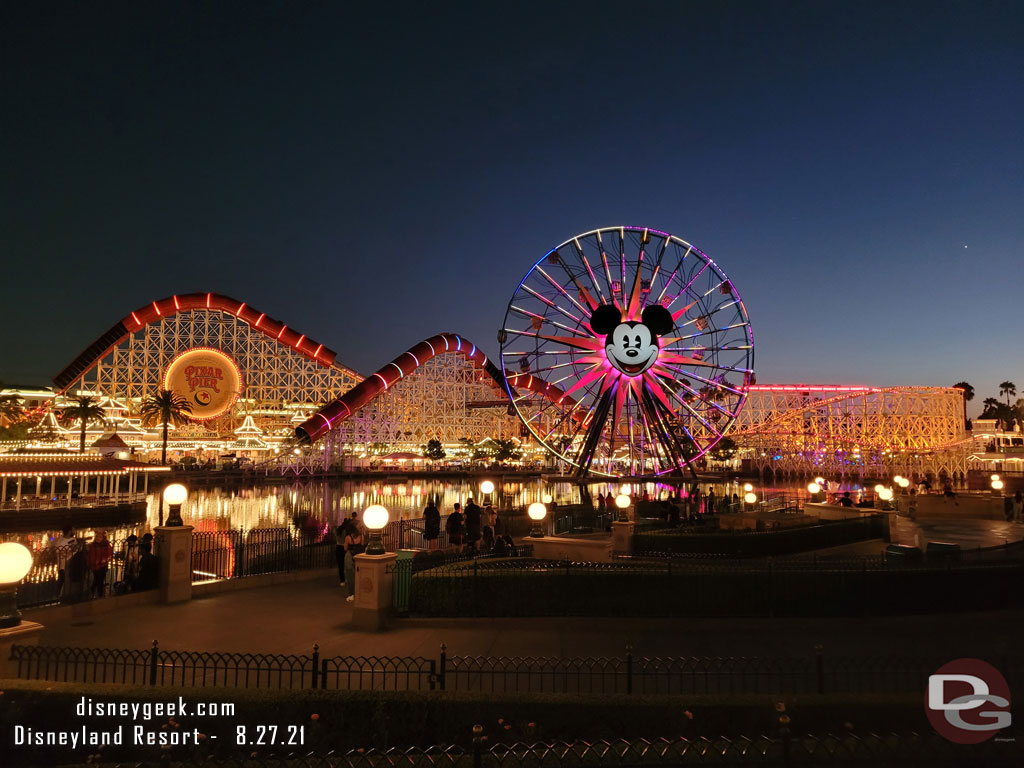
(374, 173)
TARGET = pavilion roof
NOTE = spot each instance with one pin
(249, 428)
(112, 440)
(46, 463)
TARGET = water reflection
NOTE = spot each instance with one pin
(315, 506)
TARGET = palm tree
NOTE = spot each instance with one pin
(968, 395)
(1009, 389)
(85, 409)
(165, 407)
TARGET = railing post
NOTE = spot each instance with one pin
(442, 668)
(629, 669)
(323, 673)
(819, 666)
(316, 662)
(153, 653)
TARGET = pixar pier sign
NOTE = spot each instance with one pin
(207, 378)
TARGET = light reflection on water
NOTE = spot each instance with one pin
(315, 504)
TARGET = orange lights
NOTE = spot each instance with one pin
(177, 306)
(259, 320)
(240, 308)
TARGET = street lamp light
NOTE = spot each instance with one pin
(747, 487)
(622, 501)
(15, 563)
(375, 518)
(175, 495)
(997, 485)
(537, 513)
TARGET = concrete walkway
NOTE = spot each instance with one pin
(290, 618)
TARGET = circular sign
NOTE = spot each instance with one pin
(207, 378)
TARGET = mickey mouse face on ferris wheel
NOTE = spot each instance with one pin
(631, 347)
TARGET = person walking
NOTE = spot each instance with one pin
(353, 546)
(473, 525)
(490, 517)
(339, 550)
(453, 526)
(431, 525)
(62, 550)
(1018, 507)
(98, 559)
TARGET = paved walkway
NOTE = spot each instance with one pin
(290, 618)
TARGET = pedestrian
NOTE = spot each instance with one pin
(490, 518)
(75, 582)
(912, 504)
(473, 524)
(1018, 508)
(130, 564)
(601, 502)
(339, 550)
(845, 500)
(62, 548)
(353, 546)
(453, 526)
(149, 575)
(431, 525)
(709, 503)
(98, 559)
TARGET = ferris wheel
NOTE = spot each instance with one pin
(627, 351)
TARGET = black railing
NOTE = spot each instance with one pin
(815, 672)
(707, 587)
(82, 571)
(235, 554)
(883, 750)
(763, 543)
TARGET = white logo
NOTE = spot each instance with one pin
(951, 709)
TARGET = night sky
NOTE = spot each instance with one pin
(374, 173)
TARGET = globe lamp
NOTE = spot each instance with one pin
(174, 496)
(375, 518)
(15, 563)
(537, 512)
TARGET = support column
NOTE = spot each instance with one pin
(71, 487)
(174, 549)
(622, 537)
(374, 603)
(117, 488)
(39, 485)
(17, 502)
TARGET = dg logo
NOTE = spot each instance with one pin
(968, 701)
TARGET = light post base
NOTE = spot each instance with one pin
(622, 537)
(374, 593)
(174, 550)
(26, 633)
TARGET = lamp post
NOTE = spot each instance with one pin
(622, 501)
(537, 512)
(375, 518)
(487, 488)
(175, 495)
(815, 490)
(15, 563)
(886, 495)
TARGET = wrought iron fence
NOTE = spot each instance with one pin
(782, 749)
(233, 554)
(816, 672)
(706, 587)
(83, 570)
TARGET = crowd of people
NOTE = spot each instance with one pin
(83, 565)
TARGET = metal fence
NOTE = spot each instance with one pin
(80, 571)
(706, 587)
(233, 554)
(815, 672)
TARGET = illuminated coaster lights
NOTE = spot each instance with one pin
(627, 351)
